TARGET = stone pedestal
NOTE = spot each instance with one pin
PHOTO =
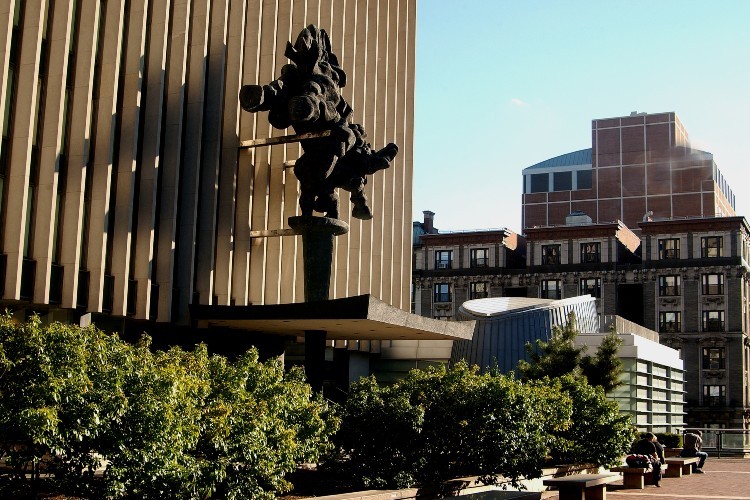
(317, 254)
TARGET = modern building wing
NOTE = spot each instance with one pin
(123, 189)
(653, 382)
(638, 164)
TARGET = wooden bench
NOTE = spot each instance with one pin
(582, 486)
(637, 477)
(682, 465)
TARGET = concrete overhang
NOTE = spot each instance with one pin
(352, 318)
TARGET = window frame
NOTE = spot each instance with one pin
(551, 254)
(474, 259)
(717, 248)
(712, 288)
(535, 181)
(707, 359)
(586, 289)
(439, 295)
(441, 263)
(714, 400)
(479, 294)
(545, 291)
(669, 253)
(709, 324)
(665, 288)
(589, 257)
(562, 181)
(676, 322)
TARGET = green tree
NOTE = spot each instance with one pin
(599, 433)
(559, 356)
(171, 424)
(441, 424)
(606, 368)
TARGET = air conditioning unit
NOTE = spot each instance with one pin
(444, 265)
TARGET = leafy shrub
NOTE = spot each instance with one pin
(599, 434)
(169, 424)
(440, 424)
(669, 440)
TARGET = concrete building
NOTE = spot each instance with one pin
(652, 390)
(124, 191)
(127, 200)
(637, 164)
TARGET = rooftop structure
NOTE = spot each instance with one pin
(638, 165)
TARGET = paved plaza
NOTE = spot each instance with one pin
(724, 479)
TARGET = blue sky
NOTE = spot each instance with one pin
(502, 85)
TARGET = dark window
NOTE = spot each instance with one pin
(479, 290)
(669, 249)
(713, 284)
(714, 395)
(713, 321)
(443, 259)
(591, 286)
(480, 257)
(669, 322)
(591, 252)
(550, 289)
(550, 255)
(442, 292)
(584, 179)
(669, 286)
(714, 358)
(562, 181)
(539, 183)
(711, 246)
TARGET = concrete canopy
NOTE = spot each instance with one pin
(352, 318)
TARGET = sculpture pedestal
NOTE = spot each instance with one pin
(317, 253)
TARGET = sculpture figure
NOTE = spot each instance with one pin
(307, 96)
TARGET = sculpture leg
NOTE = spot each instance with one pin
(360, 210)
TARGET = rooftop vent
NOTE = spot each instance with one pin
(577, 218)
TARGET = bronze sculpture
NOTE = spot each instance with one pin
(307, 96)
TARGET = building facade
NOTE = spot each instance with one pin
(653, 380)
(638, 164)
(123, 189)
(687, 279)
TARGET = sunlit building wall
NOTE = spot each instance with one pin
(123, 189)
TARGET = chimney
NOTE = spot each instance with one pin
(429, 217)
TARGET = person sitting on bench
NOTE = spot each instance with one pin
(648, 446)
(691, 447)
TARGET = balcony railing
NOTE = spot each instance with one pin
(725, 441)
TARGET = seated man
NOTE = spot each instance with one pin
(691, 447)
(647, 447)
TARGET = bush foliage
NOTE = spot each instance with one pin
(446, 423)
(559, 356)
(171, 424)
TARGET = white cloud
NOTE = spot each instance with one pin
(518, 102)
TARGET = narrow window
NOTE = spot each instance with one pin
(591, 253)
(442, 292)
(550, 255)
(669, 248)
(551, 289)
(443, 259)
(669, 286)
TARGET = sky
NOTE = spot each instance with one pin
(504, 84)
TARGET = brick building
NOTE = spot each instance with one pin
(637, 164)
(687, 279)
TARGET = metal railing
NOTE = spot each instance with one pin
(726, 441)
